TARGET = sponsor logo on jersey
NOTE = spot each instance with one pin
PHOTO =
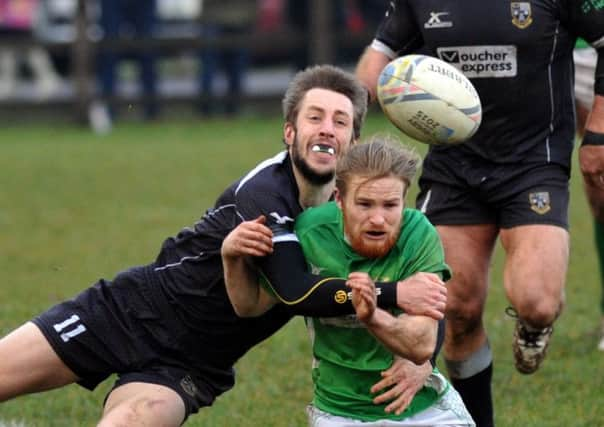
(521, 14)
(540, 202)
(482, 61)
(435, 21)
(340, 297)
(281, 219)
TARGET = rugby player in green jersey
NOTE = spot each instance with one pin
(366, 235)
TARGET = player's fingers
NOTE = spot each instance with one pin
(399, 404)
(260, 220)
(387, 381)
(359, 275)
(386, 396)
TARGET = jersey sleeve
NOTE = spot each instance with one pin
(285, 275)
(397, 33)
(427, 253)
(586, 20)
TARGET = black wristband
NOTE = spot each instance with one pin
(387, 294)
(592, 138)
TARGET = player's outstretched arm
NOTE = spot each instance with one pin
(249, 239)
(407, 336)
(370, 65)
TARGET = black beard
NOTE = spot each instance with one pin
(312, 176)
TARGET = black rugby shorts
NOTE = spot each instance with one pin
(115, 327)
(459, 191)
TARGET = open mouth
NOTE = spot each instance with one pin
(322, 148)
(376, 234)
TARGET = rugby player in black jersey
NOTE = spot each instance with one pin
(510, 180)
(168, 329)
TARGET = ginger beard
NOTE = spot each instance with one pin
(369, 249)
(371, 234)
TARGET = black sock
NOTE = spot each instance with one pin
(476, 394)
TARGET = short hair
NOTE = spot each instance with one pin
(330, 78)
(379, 157)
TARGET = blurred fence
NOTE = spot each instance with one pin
(321, 43)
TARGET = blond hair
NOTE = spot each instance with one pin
(380, 156)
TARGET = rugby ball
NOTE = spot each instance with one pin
(429, 100)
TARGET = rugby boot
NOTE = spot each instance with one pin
(529, 345)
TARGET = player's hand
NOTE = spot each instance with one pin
(400, 383)
(364, 299)
(423, 294)
(250, 238)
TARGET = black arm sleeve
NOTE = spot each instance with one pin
(309, 294)
(440, 339)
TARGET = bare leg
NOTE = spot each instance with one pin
(468, 357)
(534, 278)
(535, 271)
(142, 404)
(468, 251)
(29, 364)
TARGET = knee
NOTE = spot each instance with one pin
(143, 411)
(462, 319)
(541, 312)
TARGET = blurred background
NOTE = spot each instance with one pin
(101, 61)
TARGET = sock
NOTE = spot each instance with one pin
(472, 379)
(476, 394)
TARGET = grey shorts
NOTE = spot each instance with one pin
(456, 191)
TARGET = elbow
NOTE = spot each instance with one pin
(421, 354)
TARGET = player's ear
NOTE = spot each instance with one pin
(289, 133)
(337, 194)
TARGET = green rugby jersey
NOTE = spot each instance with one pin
(347, 358)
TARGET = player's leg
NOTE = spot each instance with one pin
(143, 404)
(534, 279)
(596, 203)
(29, 364)
(468, 357)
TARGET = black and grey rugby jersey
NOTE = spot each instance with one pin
(189, 267)
(518, 55)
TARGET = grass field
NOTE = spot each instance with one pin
(75, 207)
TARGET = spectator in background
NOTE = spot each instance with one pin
(349, 17)
(224, 18)
(16, 20)
(585, 58)
(118, 19)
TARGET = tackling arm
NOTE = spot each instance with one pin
(284, 269)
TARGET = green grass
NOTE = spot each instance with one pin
(75, 207)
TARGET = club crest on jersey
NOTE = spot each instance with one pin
(521, 14)
(540, 202)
